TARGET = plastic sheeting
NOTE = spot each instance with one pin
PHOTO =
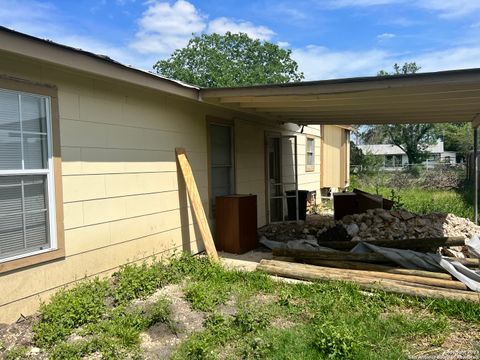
(408, 259)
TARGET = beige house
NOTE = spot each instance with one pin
(88, 175)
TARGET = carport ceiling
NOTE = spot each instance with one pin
(446, 96)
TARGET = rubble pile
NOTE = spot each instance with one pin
(372, 225)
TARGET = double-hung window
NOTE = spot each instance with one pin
(27, 211)
(310, 154)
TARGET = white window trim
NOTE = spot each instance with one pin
(52, 226)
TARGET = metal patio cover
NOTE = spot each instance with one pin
(445, 96)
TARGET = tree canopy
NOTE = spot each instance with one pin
(407, 68)
(213, 60)
(413, 139)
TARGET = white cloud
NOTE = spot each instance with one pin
(444, 8)
(451, 9)
(43, 20)
(385, 36)
(165, 27)
(283, 44)
(31, 17)
(119, 53)
(320, 63)
(454, 58)
(222, 24)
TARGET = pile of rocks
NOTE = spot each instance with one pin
(397, 225)
(374, 224)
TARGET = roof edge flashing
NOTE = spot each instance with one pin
(99, 65)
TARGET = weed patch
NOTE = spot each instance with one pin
(326, 320)
(70, 309)
(136, 281)
(334, 342)
(16, 353)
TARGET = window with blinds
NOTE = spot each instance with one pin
(26, 182)
(310, 158)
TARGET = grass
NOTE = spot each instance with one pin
(271, 320)
(421, 200)
(425, 201)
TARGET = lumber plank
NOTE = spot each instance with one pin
(353, 265)
(196, 204)
(330, 255)
(443, 283)
(411, 244)
(469, 262)
(313, 273)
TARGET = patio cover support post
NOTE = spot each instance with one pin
(296, 180)
(475, 171)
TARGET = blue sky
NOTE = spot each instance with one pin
(329, 38)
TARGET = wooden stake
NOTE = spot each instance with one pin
(353, 265)
(312, 273)
(449, 284)
(331, 255)
(196, 204)
(468, 262)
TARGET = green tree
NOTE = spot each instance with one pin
(413, 139)
(407, 68)
(213, 60)
(456, 137)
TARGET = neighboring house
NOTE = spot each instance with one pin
(88, 175)
(394, 157)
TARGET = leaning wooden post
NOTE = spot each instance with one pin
(196, 203)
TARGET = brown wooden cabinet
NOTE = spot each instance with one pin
(236, 220)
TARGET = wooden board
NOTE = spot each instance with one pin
(331, 255)
(411, 278)
(196, 203)
(353, 265)
(312, 273)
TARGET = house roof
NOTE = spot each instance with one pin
(445, 96)
(66, 56)
(389, 149)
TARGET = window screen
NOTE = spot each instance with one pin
(221, 162)
(25, 174)
(310, 153)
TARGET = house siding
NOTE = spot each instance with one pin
(335, 157)
(122, 202)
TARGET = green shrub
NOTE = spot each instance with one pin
(70, 309)
(205, 296)
(124, 325)
(334, 342)
(257, 348)
(250, 320)
(16, 353)
(158, 312)
(200, 346)
(109, 349)
(136, 281)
